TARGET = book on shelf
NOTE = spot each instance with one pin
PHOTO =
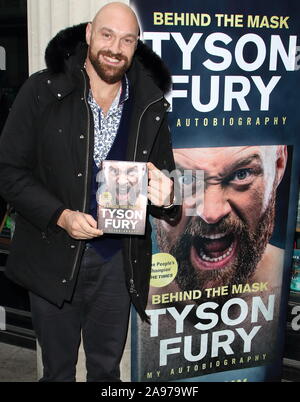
(295, 279)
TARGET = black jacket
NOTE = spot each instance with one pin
(46, 154)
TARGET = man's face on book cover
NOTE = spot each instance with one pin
(233, 217)
(123, 182)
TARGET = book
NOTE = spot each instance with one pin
(122, 197)
(295, 280)
(291, 362)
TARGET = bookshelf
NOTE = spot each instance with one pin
(14, 299)
(291, 362)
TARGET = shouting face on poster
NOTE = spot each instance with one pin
(226, 240)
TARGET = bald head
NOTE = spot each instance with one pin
(119, 12)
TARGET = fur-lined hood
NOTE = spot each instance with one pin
(66, 42)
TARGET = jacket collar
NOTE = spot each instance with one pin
(60, 85)
(68, 49)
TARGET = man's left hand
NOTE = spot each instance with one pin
(160, 187)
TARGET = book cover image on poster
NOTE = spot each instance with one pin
(122, 197)
(215, 288)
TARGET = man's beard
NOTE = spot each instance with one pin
(108, 73)
(250, 248)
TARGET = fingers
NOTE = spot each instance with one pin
(160, 197)
(90, 220)
(79, 225)
(160, 187)
(153, 172)
(84, 226)
(151, 167)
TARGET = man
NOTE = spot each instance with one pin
(204, 321)
(101, 97)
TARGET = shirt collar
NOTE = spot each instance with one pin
(122, 96)
(125, 90)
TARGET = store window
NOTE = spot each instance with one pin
(13, 73)
(13, 52)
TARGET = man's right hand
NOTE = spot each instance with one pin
(79, 225)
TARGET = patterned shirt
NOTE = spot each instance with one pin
(106, 126)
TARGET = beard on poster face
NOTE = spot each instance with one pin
(107, 72)
(213, 255)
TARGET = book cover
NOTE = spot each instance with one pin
(220, 278)
(122, 197)
(295, 279)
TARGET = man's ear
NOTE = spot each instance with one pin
(88, 33)
(281, 162)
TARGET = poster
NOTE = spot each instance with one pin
(220, 278)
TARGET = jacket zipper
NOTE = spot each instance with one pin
(132, 288)
(86, 170)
